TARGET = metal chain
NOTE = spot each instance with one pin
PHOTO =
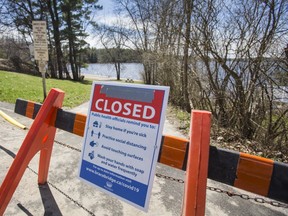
(71, 199)
(66, 195)
(68, 146)
(229, 193)
(170, 178)
(247, 197)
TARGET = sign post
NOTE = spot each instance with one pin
(122, 140)
(40, 48)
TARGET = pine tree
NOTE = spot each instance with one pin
(76, 13)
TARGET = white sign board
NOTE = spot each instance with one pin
(122, 139)
(40, 40)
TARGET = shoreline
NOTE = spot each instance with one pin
(98, 77)
(105, 78)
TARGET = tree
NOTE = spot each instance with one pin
(217, 55)
(139, 12)
(66, 21)
(53, 8)
(75, 14)
(92, 55)
(18, 15)
(235, 42)
(188, 6)
(114, 38)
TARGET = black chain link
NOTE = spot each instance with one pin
(63, 193)
(71, 199)
(247, 197)
(68, 146)
(229, 193)
(170, 178)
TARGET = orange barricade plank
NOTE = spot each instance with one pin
(170, 162)
(254, 174)
(175, 142)
(173, 151)
(30, 109)
(40, 137)
(172, 157)
(79, 124)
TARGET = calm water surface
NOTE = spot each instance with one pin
(134, 71)
(128, 70)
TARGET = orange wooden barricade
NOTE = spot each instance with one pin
(39, 138)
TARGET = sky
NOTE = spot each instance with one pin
(107, 12)
(104, 16)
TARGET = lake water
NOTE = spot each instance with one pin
(128, 70)
(134, 70)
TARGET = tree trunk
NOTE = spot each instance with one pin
(50, 61)
(118, 70)
(55, 22)
(71, 44)
(188, 12)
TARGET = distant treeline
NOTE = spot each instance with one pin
(93, 55)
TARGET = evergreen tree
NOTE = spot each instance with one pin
(76, 13)
(73, 15)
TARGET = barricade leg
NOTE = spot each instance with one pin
(45, 156)
(197, 164)
(39, 138)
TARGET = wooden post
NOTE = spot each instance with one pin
(197, 164)
(44, 84)
(39, 138)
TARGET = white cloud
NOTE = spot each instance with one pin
(107, 16)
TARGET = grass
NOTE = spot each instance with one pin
(16, 85)
(183, 118)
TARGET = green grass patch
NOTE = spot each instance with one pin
(16, 85)
(183, 118)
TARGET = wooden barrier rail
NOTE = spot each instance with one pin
(252, 173)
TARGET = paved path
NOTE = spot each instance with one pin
(65, 194)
